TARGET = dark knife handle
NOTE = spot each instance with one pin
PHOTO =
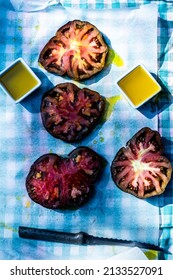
(53, 236)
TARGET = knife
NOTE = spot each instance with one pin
(81, 238)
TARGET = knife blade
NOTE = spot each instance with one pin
(81, 238)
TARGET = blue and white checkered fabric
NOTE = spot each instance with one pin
(111, 213)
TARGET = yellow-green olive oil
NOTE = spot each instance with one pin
(138, 85)
(18, 80)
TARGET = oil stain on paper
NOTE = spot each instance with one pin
(110, 104)
(151, 255)
(114, 58)
(26, 202)
(5, 226)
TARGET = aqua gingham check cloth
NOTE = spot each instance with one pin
(23, 139)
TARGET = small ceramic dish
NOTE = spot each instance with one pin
(18, 80)
(138, 86)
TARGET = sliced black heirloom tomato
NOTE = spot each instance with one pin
(57, 182)
(78, 50)
(70, 113)
(140, 168)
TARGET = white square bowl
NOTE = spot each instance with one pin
(19, 80)
(138, 86)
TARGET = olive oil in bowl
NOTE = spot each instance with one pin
(138, 86)
(18, 80)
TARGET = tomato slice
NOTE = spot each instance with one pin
(78, 50)
(57, 182)
(70, 113)
(140, 168)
